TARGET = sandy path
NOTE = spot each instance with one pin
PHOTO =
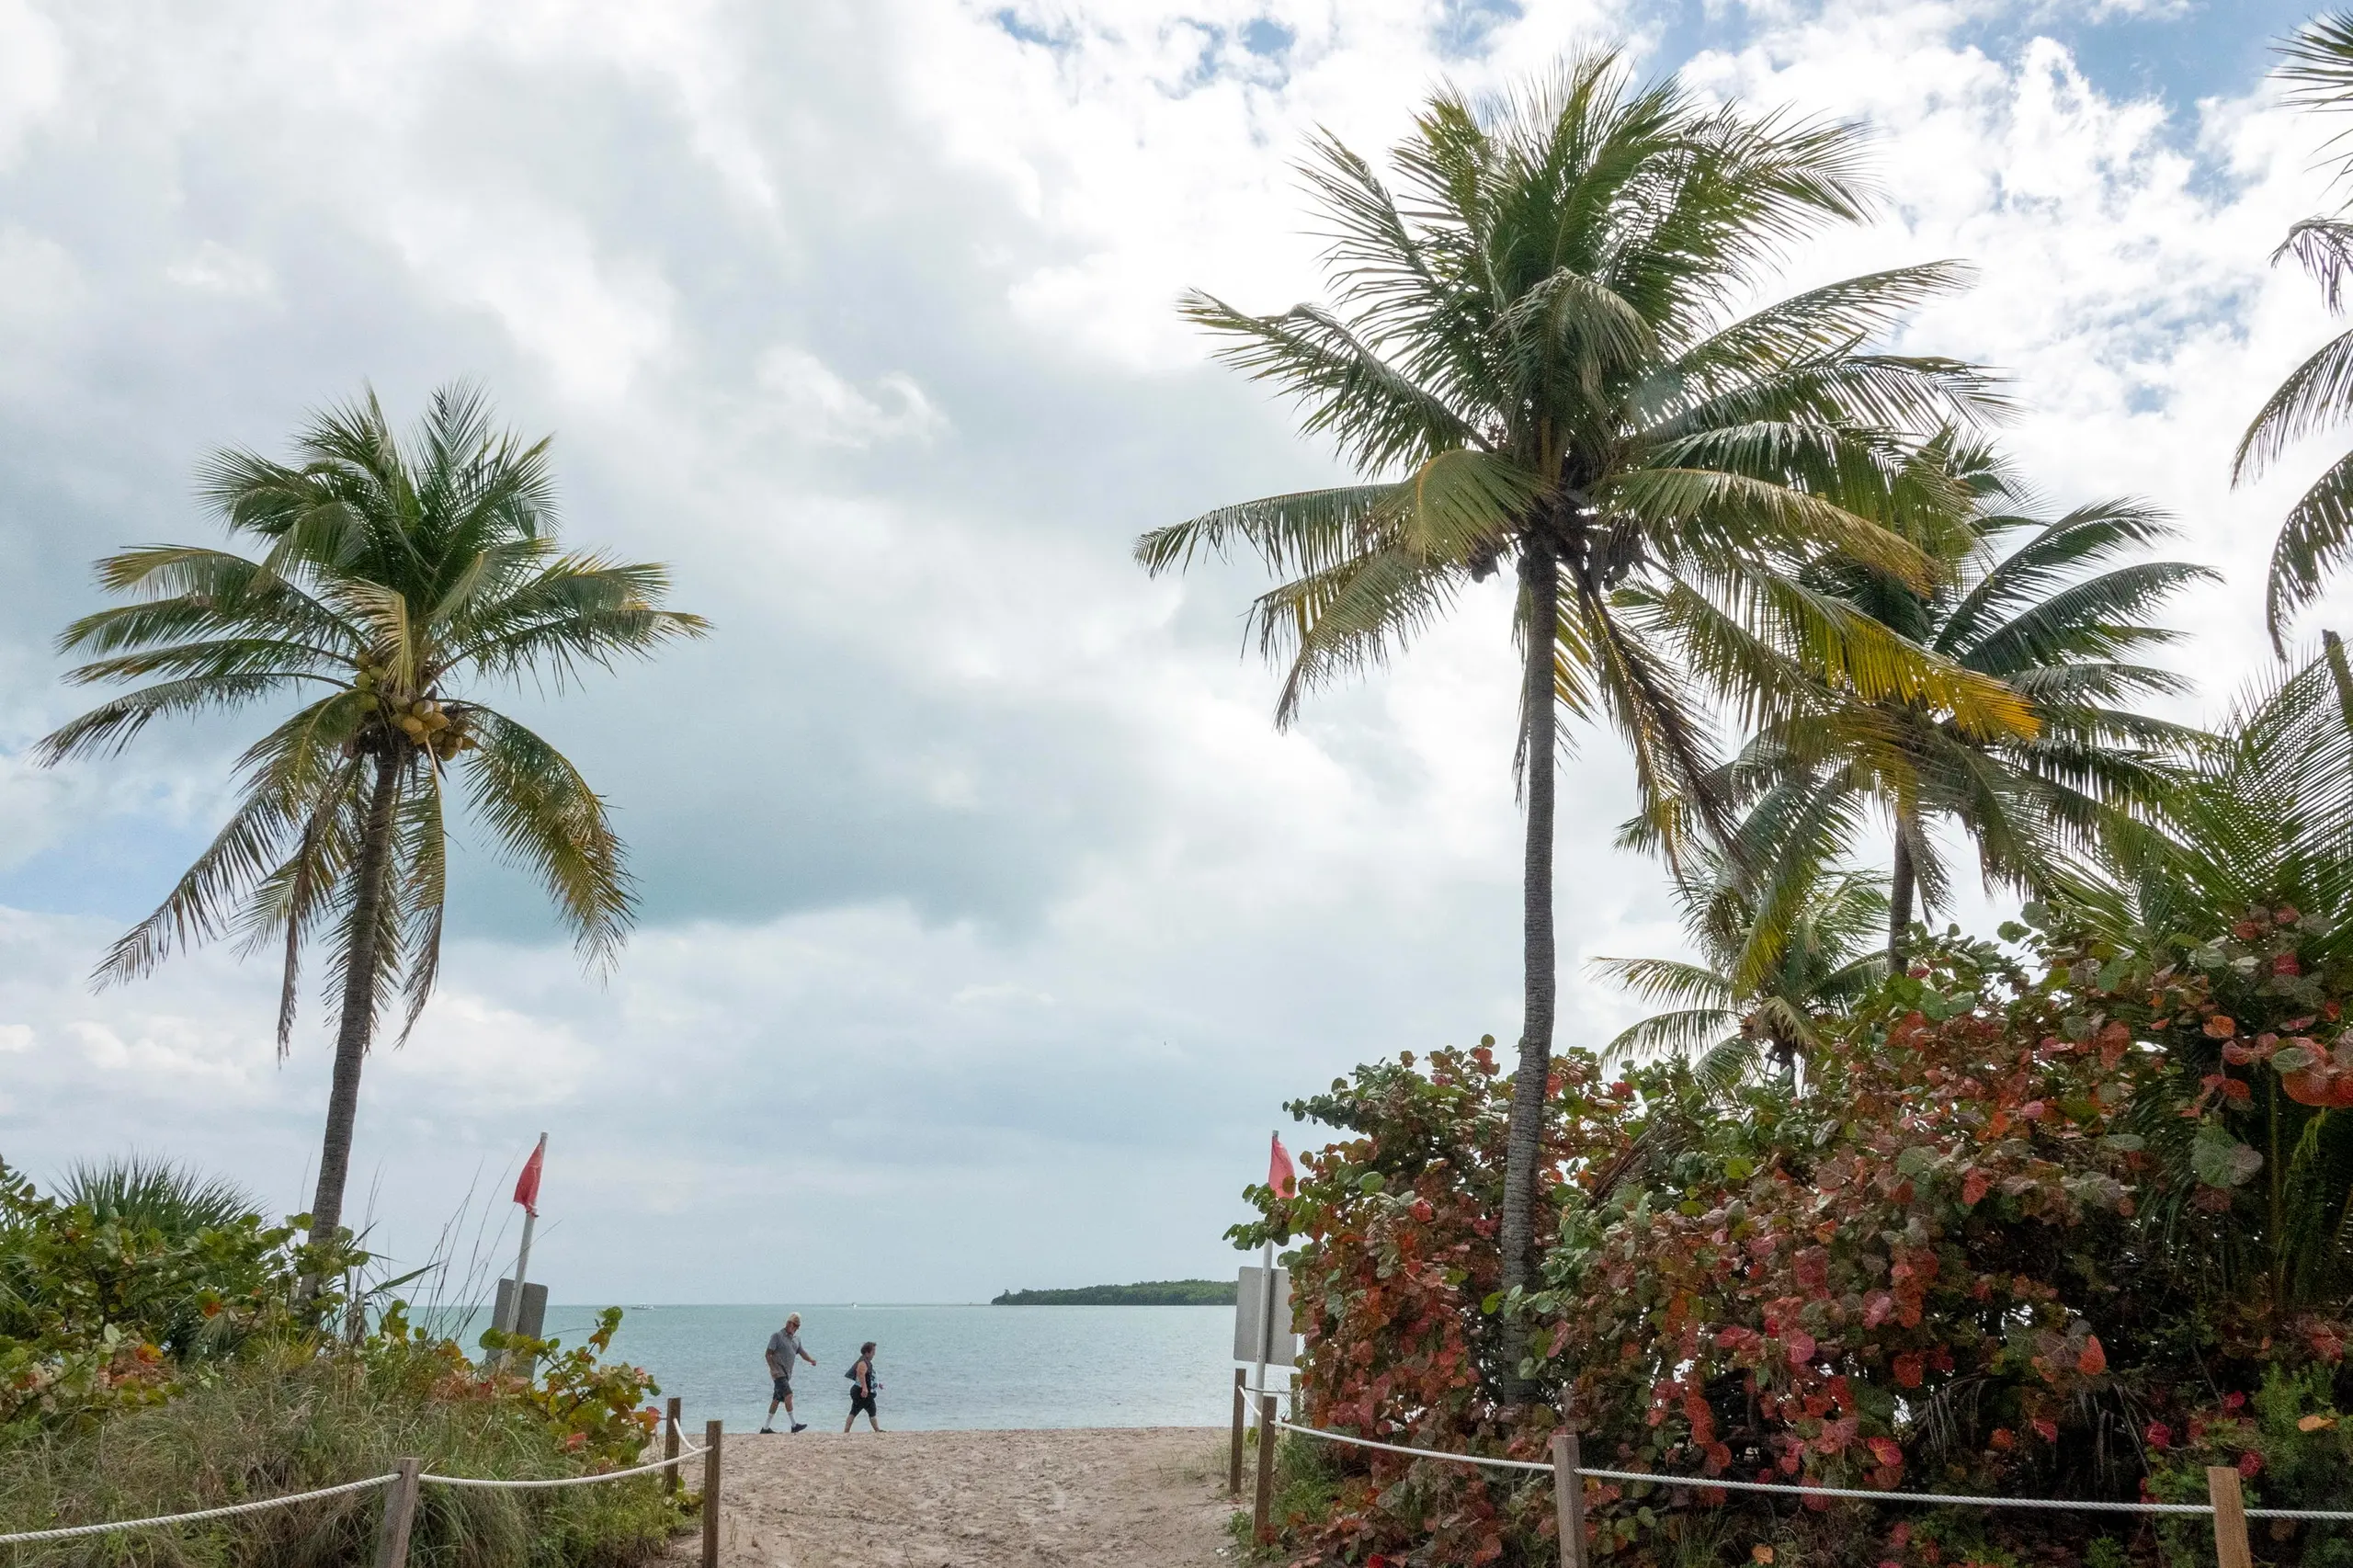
(1106, 1498)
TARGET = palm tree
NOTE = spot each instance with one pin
(1532, 359)
(1762, 987)
(390, 575)
(2040, 619)
(178, 1200)
(2318, 395)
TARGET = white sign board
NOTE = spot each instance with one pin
(1250, 1319)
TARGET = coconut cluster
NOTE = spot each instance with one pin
(424, 720)
(425, 723)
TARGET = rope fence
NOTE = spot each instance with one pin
(2226, 1506)
(68, 1532)
(666, 1462)
(400, 1507)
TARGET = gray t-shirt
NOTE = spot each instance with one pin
(784, 1350)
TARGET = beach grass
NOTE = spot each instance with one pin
(277, 1423)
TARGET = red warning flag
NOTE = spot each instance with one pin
(527, 1186)
(1280, 1175)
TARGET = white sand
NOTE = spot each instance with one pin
(1148, 1497)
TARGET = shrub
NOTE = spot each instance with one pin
(162, 1350)
(110, 1294)
(2028, 1227)
(283, 1420)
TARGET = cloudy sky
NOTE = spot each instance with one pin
(988, 922)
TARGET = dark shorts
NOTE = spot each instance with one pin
(860, 1405)
(784, 1388)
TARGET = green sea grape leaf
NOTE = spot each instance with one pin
(2221, 1160)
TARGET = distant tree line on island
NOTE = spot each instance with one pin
(1150, 1293)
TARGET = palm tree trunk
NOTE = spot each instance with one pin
(358, 1023)
(1524, 1141)
(1899, 904)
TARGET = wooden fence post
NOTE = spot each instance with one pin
(1568, 1496)
(1241, 1419)
(400, 1513)
(670, 1446)
(711, 1436)
(2230, 1517)
(1262, 1523)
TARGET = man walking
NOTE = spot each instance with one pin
(784, 1347)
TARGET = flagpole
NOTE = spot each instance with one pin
(513, 1314)
(522, 1269)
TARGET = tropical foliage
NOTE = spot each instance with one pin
(389, 576)
(1533, 357)
(2069, 1216)
(103, 1301)
(2264, 817)
(2070, 1225)
(1758, 999)
(163, 1349)
(268, 1424)
(2043, 605)
(2318, 396)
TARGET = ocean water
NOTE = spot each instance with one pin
(940, 1366)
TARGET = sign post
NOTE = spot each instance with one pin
(1271, 1283)
(1265, 1330)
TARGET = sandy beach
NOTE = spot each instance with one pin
(1106, 1498)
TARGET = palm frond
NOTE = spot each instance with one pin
(1666, 980)
(112, 725)
(2323, 248)
(1338, 624)
(1683, 1032)
(1299, 533)
(1377, 413)
(2313, 398)
(2313, 542)
(547, 820)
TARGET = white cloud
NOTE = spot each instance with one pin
(32, 73)
(970, 856)
(591, 319)
(813, 403)
(213, 268)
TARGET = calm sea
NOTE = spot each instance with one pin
(942, 1367)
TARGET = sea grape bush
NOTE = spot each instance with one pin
(598, 1406)
(99, 1310)
(2067, 1224)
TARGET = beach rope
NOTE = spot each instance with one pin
(67, 1532)
(1933, 1499)
(686, 1451)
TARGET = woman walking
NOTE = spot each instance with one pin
(863, 1387)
